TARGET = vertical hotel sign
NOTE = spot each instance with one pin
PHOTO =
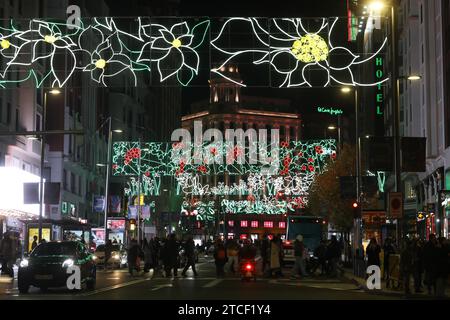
(379, 92)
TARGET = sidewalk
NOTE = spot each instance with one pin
(361, 283)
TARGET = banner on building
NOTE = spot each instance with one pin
(99, 204)
(114, 204)
(145, 212)
(132, 212)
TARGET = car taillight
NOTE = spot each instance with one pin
(248, 267)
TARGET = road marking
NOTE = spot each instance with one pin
(117, 286)
(163, 286)
(213, 283)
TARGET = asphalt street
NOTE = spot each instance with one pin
(119, 285)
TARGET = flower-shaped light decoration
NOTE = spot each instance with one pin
(174, 49)
(9, 45)
(109, 56)
(45, 40)
(294, 52)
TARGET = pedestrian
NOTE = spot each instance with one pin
(170, 256)
(265, 248)
(417, 265)
(157, 257)
(148, 256)
(321, 252)
(233, 255)
(388, 250)
(134, 256)
(34, 243)
(7, 251)
(333, 256)
(406, 265)
(220, 257)
(429, 260)
(373, 251)
(442, 267)
(189, 251)
(300, 258)
(275, 263)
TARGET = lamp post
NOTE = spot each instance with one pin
(108, 166)
(41, 179)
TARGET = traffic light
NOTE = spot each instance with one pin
(356, 210)
(132, 225)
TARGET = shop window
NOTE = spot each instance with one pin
(231, 223)
(254, 224)
(244, 224)
(282, 225)
(268, 224)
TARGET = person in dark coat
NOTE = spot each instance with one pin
(333, 256)
(406, 265)
(265, 248)
(134, 256)
(189, 251)
(170, 256)
(388, 250)
(429, 261)
(321, 253)
(35, 243)
(417, 265)
(442, 267)
(373, 253)
(220, 257)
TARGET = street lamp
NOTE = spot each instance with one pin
(41, 180)
(108, 166)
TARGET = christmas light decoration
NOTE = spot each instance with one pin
(167, 159)
(293, 51)
(104, 50)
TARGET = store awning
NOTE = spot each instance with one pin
(21, 215)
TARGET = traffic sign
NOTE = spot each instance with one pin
(395, 205)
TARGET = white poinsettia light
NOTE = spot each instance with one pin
(295, 52)
(174, 49)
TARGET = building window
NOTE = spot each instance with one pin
(254, 224)
(268, 224)
(282, 225)
(244, 223)
(231, 223)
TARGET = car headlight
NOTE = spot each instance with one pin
(24, 263)
(68, 263)
(116, 257)
(94, 258)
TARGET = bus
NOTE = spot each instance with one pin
(311, 228)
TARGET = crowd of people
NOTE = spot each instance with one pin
(427, 263)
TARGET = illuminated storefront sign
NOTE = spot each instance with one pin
(332, 111)
(379, 95)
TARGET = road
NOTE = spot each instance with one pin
(118, 284)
